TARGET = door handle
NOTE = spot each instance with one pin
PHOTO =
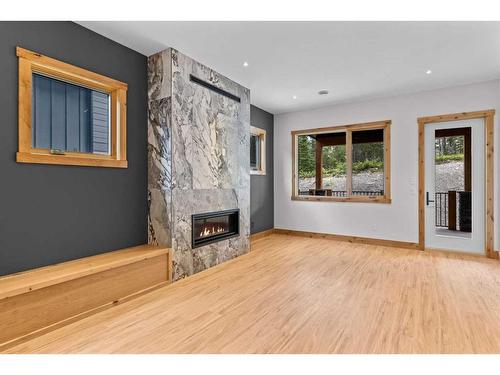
(427, 199)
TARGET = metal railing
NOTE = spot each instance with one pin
(370, 193)
(342, 193)
(459, 202)
(441, 209)
(339, 193)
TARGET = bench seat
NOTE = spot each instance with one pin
(36, 301)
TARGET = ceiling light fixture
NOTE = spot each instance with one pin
(428, 72)
(245, 64)
(323, 92)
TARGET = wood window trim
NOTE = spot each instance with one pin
(488, 116)
(348, 129)
(32, 62)
(261, 133)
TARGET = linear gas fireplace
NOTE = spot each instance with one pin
(215, 226)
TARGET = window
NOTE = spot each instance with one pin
(368, 162)
(257, 151)
(68, 115)
(345, 163)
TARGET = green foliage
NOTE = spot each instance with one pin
(372, 165)
(448, 149)
(367, 152)
(306, 156)
(366, 156)
(449, 145)
(360, 166)
(441, 159)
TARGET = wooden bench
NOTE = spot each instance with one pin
(36, 301)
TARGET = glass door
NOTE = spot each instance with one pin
(455, 186)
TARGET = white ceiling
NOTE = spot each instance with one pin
(353, 60)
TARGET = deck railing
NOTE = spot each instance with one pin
(341, 193)
(441, 209)
(452, 210)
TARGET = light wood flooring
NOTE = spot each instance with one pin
(303, 295)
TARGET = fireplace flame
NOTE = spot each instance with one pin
(208, 230)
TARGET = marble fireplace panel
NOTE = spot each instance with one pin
(198, 142)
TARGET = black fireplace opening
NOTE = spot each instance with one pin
(212, 227)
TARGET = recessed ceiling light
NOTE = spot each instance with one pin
(323, 92)
(428, 72)
(294, 97)
(245, 64)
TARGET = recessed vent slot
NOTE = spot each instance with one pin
(216, 89)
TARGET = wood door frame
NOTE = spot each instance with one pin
(488, 116)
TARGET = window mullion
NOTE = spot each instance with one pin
(348, 162)
(387, 161)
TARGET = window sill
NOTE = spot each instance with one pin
(259, 173)
(315, 198)
(71, 159)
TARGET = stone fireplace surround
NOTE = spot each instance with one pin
(198, 158)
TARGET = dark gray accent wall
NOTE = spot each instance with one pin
(262, 187)
(51, 213)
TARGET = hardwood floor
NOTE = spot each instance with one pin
(304, 295)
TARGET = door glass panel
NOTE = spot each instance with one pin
(453, 182)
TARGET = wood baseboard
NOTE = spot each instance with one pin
(38, 301)
(352, 239)
(260, 235)
(454, 252)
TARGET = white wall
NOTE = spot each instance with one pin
(395, 221)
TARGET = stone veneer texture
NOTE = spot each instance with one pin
(198, 159)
